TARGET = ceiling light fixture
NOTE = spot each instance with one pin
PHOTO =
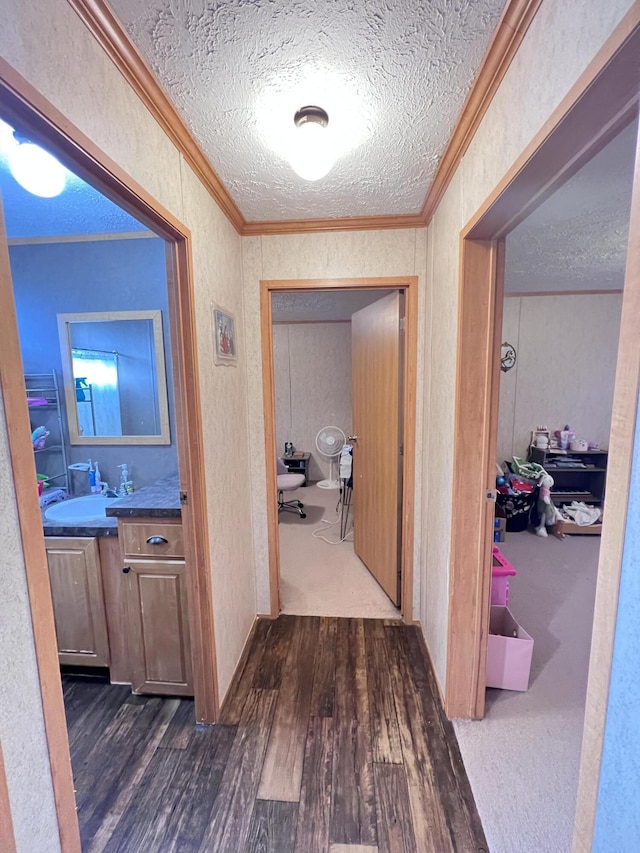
(35, 169)
(312, 156)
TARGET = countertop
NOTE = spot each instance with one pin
(159, 500)
(108, 527)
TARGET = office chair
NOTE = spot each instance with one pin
(288, 483)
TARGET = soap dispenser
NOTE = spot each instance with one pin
(126, 486)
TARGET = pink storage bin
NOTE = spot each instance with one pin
(501, 571)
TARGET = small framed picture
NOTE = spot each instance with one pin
(225, 344)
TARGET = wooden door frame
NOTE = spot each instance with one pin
(410, 285)
(601, 103)
(21, 104)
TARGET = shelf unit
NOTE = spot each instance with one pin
(298, 464)
(84, 404)
(45, 386)
(584, 482)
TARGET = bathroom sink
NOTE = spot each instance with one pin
(79, 510)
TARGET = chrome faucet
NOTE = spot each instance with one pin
(106, 491)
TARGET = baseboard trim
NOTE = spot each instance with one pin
(239, 667)
(427, 654)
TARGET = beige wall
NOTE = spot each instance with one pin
(340, 255)
(312, 379)
(47, 43)
(565, 370)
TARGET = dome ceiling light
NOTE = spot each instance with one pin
(35, 169)
(312, 156)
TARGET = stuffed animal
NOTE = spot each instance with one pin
(548, 512)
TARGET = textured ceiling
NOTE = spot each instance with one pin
(577, 239)
(392, 74)
(79, 209)
(318, 305)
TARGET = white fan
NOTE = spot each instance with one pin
(330, 441)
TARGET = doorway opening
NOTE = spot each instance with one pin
(290, 377)
(601, 104)
(34, 118)
(315, 379)
(560, 333)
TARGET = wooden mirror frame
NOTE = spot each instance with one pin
(64, 334)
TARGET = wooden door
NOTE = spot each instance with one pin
(78, 601)
(377, 365)
(158, 627)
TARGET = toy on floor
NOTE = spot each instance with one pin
(547, 510)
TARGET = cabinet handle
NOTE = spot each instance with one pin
(157, 540)
(126, 570)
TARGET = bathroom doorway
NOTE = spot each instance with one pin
(42, 125)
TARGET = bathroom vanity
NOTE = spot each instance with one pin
(119, 591)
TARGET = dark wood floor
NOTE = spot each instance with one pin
(333, 739)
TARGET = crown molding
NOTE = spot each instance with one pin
(114, 39)
(345, 223)
(514, 23)
(116, 42)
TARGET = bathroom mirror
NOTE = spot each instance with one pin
(114, 377)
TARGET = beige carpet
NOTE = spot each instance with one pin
(319, 579)
(523, 758)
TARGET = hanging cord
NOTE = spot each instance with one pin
(318, 533)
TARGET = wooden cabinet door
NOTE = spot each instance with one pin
(78, 602)
(160, 652)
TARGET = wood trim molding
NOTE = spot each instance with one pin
(115, 40)
(7, 837)
(269, 396)
(532, 293)
(410, 286)
(621, 451)
(195, 520)
(120, 48)
(515, 22)
(35, 561)
(239, 667)
(324, 226)
(470, 564)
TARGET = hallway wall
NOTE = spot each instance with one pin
(556, 49)
(46, 42)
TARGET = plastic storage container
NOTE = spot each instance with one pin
(501, 571)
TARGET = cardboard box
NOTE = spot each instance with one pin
(499, 525)
(509, 651)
